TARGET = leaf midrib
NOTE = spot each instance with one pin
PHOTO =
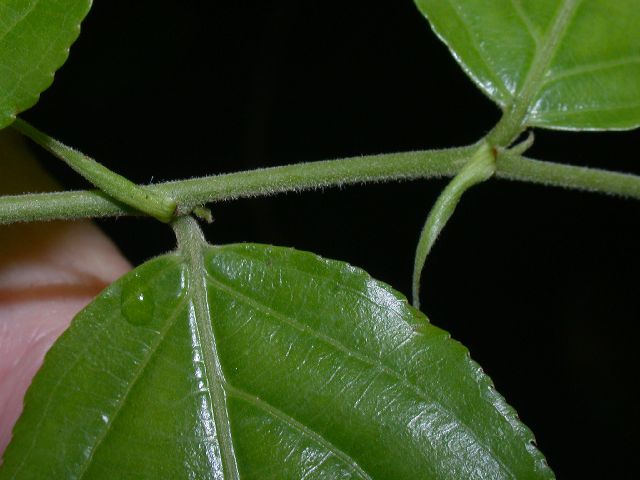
(192, 245)
(544, 55)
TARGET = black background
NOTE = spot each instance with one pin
(539, 283)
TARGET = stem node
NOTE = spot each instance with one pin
(151, 202)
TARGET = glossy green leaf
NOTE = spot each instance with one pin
(35, 36)
(262, 362)
(567, 64)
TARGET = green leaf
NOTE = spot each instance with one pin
(35, 36)
(566, 64)
(262, 362)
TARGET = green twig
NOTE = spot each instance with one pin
(523, 169)
(268, 181)
(306, 176)
(152, 203)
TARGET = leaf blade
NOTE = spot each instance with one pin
(520, 53)
(341, 379)
(35, 36)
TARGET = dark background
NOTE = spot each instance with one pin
(539, 283)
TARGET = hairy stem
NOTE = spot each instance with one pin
(305, 176)
(524, 169)
(156, 204)
(261, 182)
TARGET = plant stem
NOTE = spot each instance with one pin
(153, 203)
(307, 176)
(479, 168)
(268, 181)
(524, 169)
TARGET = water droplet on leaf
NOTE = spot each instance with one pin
(137, 303)
(142, 301)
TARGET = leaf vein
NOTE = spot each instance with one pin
(336, 344)
(593, 67)
(533, 32)
(300, 427)
(137, 375)
(342, 285)
(578, 111)
(490, 68)
(26, 14)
